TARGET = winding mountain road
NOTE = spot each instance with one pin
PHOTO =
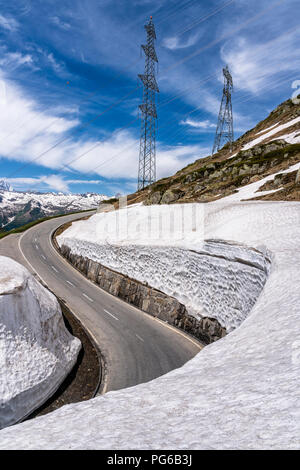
(136, 347)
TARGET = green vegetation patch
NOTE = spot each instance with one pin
(279, 153)
(161, 186)
(109, 201)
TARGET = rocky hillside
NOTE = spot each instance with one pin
(18, 208)
(270, 153)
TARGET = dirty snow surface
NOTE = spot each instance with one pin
(211, 278)
(36, 350)
(275, 131)
(241, 392)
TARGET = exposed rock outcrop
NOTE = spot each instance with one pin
(171, 196)
(221, 178)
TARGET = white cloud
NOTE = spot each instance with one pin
(255, 65)
(20, 182)
(8, 23)
(172, 159)
(118, 157)
(199, 124)
(56, 182)
(66, 109)
(29, 137)
(25, 131)
(84, 181)
(12, 60)
(58, 67)
(53, 182)
(58, 22)
(174, 42)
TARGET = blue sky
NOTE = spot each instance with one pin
(66, 66)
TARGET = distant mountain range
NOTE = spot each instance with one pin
(4, 186)
(19, 208)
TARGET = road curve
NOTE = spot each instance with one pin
(136, 347)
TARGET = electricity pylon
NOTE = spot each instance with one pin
(224, 132)
(147, 157)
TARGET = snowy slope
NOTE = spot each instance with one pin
(211, 279)
(4, 186)
(252, 190)
(36, 350)
(274, 132)
(241, 392)
(268, 128)
(291, 138)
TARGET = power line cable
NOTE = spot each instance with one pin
(180, 6)
(84, 125)
(118, 130)
(65, 166)
(247, 22)
(204, 18)
(64, 139)
(82, 100)
(167, 123)
(218, 40)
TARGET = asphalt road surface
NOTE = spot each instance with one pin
(135, 346)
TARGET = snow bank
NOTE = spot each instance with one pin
(268, 128)
(275, 131)
(292, 138)
(251, 190)
(158, 225)
(36, 350)
(218, 280)
(164, 246)
(241, 392)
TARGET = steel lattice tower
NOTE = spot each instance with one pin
(224, 132)
(147, 157)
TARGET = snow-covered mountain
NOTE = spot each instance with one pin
(19, 208)
(4, 186)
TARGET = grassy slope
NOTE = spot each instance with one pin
(218, 175)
